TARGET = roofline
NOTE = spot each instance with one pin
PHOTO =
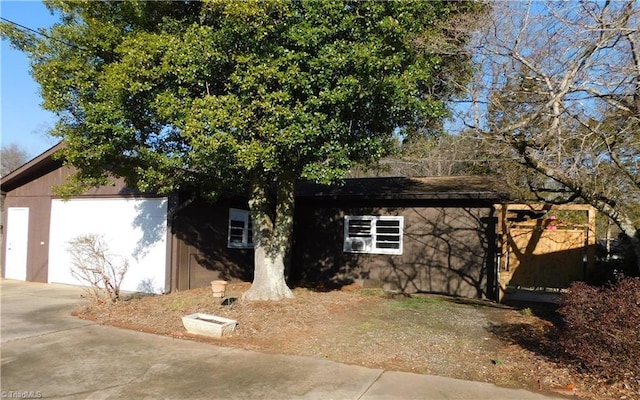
(484, 194)
(39, 161)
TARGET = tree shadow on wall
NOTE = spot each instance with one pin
(447, 251)
(151, 220)
(318, 260)
(201, 229)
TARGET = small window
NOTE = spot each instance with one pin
(373, 234)
(240, 230)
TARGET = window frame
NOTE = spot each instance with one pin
(373, 235)
(244, 216)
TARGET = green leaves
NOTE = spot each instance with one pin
(174, 93)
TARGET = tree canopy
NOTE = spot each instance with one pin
(219, 94)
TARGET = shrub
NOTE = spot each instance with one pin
(93, 264)
(602, 329)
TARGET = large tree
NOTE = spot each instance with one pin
(559, 89)
(244, 94)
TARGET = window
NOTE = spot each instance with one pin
(240, 234)
(372, 234)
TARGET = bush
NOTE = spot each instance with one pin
(93, 264)
(602, 329)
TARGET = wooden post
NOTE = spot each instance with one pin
(502, 244)
(591, 239)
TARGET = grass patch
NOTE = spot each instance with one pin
(430, 303)
(527, 312)
(177, 305)
(371, 292)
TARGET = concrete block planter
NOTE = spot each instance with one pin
(208, 325)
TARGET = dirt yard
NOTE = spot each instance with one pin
(425, 334)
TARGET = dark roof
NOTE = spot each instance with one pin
(35, 168)
(425, 188)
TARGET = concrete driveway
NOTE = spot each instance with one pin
(47, 353)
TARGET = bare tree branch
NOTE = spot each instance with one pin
(559, 85)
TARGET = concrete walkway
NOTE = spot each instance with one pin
(47, 353)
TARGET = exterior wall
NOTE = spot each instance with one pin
(35, 195)
(197, 244)
(200, 252)
(447, 249)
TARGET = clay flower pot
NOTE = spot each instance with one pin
(218, 288)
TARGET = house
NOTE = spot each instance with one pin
(410, 234)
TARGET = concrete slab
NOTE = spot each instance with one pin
(32, 309)
(99, 361)
(532, 296)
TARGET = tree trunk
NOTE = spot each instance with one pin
(271, 238)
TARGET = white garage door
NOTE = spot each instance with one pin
(134, 229)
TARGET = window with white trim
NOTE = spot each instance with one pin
(240, 230)
(373, 234)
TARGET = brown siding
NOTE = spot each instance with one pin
(43, 185)
(200, 233)
(446, 250)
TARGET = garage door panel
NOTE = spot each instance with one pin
(134, 229)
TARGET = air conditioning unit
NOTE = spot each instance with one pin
(357, 244)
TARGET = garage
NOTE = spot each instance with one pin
(37, 226)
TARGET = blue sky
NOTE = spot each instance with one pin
(22, 120)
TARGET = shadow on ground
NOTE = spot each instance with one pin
(539, 338)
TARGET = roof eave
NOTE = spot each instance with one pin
(495, 196)
(39, 162)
